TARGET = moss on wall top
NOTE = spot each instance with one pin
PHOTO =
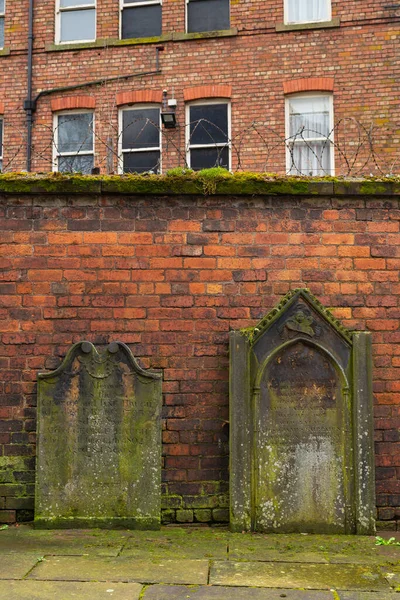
(215, 181)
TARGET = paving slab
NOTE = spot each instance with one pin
(17, 566)
(193, 543)
(280, 556)
(66, 590)
(257, 546)
(63, 542)
(297, 575)
(362, 559)
(173, 592)
(368, 595)
(82, 568)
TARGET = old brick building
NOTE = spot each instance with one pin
(246, 76)
(264, 87)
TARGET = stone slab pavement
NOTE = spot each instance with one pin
(194, 563)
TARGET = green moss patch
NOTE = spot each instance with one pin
(180, 181)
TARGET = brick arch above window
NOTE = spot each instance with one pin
(72, 102)
(311, 84)
(1, 108)
(207, 91)
(139, 96)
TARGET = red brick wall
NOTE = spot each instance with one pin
(170, 276)
(361, 55)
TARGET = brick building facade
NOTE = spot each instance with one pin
(170, 273)
(170, 276)
(254, 74)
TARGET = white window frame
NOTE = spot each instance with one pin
(123, 5)
(122, 151)
(187, 14)
(3, 16)
(328, 95)
(56, 153)
(1, 143)
(91, 4)
(291, 22)
(190, 146)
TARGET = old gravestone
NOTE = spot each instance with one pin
(99, 441)
(301, 423)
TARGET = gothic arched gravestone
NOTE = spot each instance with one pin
(99, 441)
(301, 423)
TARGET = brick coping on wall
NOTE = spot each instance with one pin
(203, 182)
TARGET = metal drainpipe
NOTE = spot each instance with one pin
(29, 105)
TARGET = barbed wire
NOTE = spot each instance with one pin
(351, 148)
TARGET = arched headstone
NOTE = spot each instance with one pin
(301, 423)
(99, 441)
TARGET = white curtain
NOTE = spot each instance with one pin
(309, 136)
(305, 11)
(310, 158)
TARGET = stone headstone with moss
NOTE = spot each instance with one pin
(99, 441)
(301, 420)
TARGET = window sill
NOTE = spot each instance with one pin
(204, 34)
(167, 37)
(305, 26)
(5, 52)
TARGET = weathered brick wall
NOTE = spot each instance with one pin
(361, 56)
(170, 275)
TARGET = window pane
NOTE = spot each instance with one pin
(141, 162)
(207, 15)
(300, 11)
(1, 32)
(1, 6)
(68, 3)
(140, 128)
(206, 158)
(75, 132)
(309, 117)
(1, 165)
(141, 21)
(208, 123)
(77, 25)
(75, 164)
(312, 158)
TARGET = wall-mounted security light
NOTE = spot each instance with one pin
(168, 116)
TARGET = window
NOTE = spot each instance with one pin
(307, 11)
(208, 135)
(207, 15)
(140, 140)
(76, 21)
(140, 18)
(1, 144)
(73, 142)
(2, 12)
(309, 131)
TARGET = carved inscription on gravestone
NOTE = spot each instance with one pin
(301, 418)
(300, 435)
(99, 446)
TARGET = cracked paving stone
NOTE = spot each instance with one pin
(82, 568)
(173, 592)
(66, 590)
(297, 575)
